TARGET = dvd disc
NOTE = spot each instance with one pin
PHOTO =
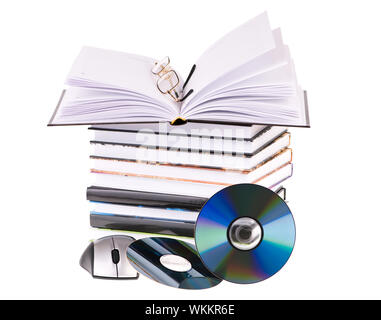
(171, 262)
(245, 233)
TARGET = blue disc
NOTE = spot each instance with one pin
(245, 233)
(145, 256)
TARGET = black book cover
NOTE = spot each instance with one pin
(145, 225)
(147, 199)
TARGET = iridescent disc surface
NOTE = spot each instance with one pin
(146, 256)
(214, 227)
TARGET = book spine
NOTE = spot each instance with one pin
(144, 225)
(147, 199)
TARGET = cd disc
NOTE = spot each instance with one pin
(171, 262)
(245, 233)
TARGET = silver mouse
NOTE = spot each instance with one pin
(106, 258)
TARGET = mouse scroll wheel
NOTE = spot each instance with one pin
(115, 256)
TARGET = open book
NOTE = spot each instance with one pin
(247, 76)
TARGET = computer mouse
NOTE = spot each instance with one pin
(106, 258)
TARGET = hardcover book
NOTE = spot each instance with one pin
(248, 76)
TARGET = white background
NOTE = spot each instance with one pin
(334, 193)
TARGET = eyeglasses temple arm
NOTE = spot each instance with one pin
(187, 95)
(186, 82)
(189, 76)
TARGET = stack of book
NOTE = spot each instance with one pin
(156, 177)
(228, 119)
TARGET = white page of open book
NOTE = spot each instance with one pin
(88, 105)
(108, 69)
(108, 86)
(274, 58)
(275, 82)
(235, 49)
(264, 89)
(261, 112)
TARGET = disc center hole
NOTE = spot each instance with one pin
(175, 263)
(245, 233)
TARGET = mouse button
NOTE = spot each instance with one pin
(103, 264)
(115, 256)
(122, 242)
(87, 258)
(125, 269)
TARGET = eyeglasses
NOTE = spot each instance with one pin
(168, 81)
